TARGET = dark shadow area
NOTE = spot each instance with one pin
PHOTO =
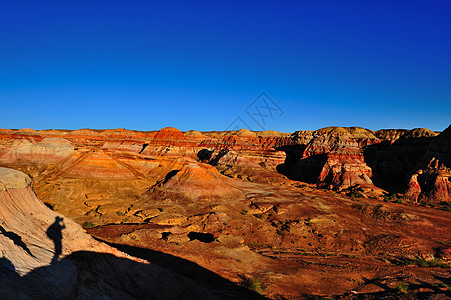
(445, 280)
(401, 288)
(165, 235)
(221, 287)
(309, 169)
(377, 283)
(54, 232)
(49, 206)
(393, 163)
(292, 154)
(301, 169)
(144, 147)
(170, 175)
(202, 237)
(204, 155)
(214, 161)
(17, 240)
(404, 287)
(92, 275)
(6, 267)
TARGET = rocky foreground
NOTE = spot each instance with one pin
(339, 211)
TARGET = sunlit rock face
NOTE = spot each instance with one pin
(27, 219)
(47, 150)
(238, 203)
(45, 255)
(430, 182)
(33, 237)
(334, 157)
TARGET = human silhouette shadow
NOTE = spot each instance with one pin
(16, 239)
(54, 232)
(91, 275)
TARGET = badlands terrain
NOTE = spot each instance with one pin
(347, 213)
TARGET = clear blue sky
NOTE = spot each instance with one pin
(198, 65)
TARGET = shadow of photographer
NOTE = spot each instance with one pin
(54, 232)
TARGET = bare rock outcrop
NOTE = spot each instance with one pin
(334, 158)
(397, 157)
(44, 255)
(32, 237)
(47, 150)
(430, 182)
(28, 219)
(338, 158)
(201, 180)
(219, 201)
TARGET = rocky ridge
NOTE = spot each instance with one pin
(333, 157)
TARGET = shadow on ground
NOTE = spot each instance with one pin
(221, 287)
(93, 275)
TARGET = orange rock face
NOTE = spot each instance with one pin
(331, 157)
(45, 255)
(430, 182)
(201, 180)
(169, 136)
(334, 157)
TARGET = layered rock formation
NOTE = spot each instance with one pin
(430, 181)
(334, 157)
(35, 237)
(27, 240)
(242, 204)
(46, 255)
(200, 180)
